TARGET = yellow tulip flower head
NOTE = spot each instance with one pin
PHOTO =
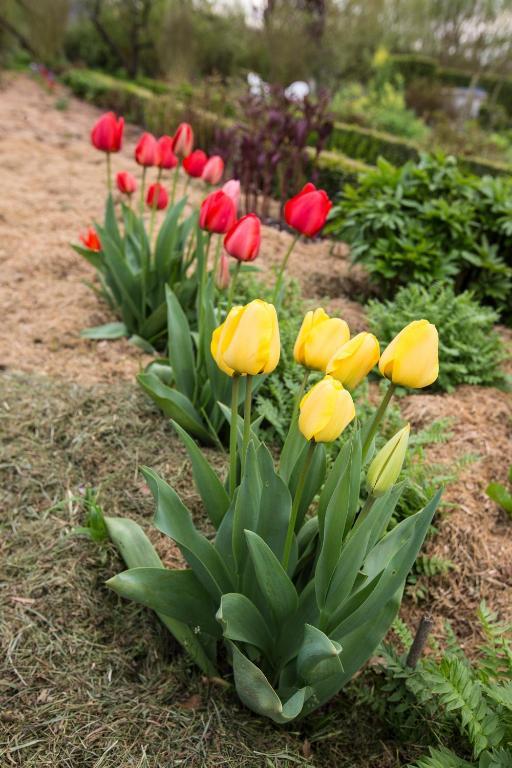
(247, 342)
(319, 337)
(385, 468)
(325, 411)
(412, 358)
(354, 360)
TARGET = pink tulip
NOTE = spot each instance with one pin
(126, 183)
(232, 189)
(146, 151)
(244, 238)
(213, 170)
(223, 276)
(183, 140)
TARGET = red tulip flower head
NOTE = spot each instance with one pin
(126, 183)
(307, 212)
(146, 151)
(165, 155)
(183, 140)
(91, 240)
(157, 197)
(213, 170)
(195, 163)
(232, 190)
(107, 133)
(217, 213)
(244, 238)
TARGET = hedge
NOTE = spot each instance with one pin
(334, 169)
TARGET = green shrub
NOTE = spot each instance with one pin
(430, 221)
(470, 350)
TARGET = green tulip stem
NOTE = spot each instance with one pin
(217, 255)
(296, 504)
(174, 183)
(247, 418)
(232, 285)
(233, 434)
(109, 174)
(379, 413)
(142, 185)
(279, 279)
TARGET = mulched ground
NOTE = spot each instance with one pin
(88, 680)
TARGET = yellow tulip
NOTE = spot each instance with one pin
(411, 359)
(318, 339)
(325, 411)
(247, 342)
(385, 468)
(354, 360)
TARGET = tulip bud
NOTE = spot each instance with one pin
(411, 359)
(146, 151)
(223, 276)
(247, 342)
(126, 183)
(217, 213)
(165, 157)
(244, 238)
(307, 212)
(385, 468)
(325, 411)
(354, 360)
(91, 240)
(157, 197)
(183, 140)
(319, 337)
(232, 189)
(213, 170)
(107, 133)
(195, 163)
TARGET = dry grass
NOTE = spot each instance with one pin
(89, 680)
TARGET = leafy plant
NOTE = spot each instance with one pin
(133, 275)
(430, 221)
(470, 350)
(501, 495)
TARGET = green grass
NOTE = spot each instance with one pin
(87, 680)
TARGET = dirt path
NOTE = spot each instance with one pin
(53, 183)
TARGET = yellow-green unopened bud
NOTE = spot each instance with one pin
(387, 464)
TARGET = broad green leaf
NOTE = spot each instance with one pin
(242, 621)
(154, 325)
(211, 490)
(174, 519)
(332, 481)
(110, 221)
(276, 504)
(318, 657)
(499, 494)
(292, 449)
(168, 239)
(257, 694)
(93, 257)
(181, 353)
(106, 331)
(273, 581)
(138, 552)
(247, 504)
(314, 478)
(177, 594)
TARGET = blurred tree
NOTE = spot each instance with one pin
(37, 26)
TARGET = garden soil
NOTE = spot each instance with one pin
(71, 416)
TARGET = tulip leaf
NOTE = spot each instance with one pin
(318, 657)
(257, 694)
(177, 594)
(211, 490)
(274, 583)
(174, 519)
(314, 478)
(181, 353)
(276, 504)
(106, 331)
(167, 240)
(332, 481)
(247, 504)
(174, 405)
(499, 494)
(292, 449)
(154, 325)
(242, 621)
(94, 258)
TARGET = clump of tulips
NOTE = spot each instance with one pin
(302, 579)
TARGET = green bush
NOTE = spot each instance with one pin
(470, 350)
(430, 221)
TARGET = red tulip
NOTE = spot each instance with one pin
(91, 240)
(194, 163)
(217, 213)
(232, 190)
(146, 151)
(157, 197)
(107, 133)
(307, 211)
(126, 183)
(244, 238)
(165, 155)
(183, 140)
(213, 170)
